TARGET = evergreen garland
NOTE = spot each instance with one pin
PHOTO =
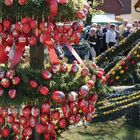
(38, 9)
(123, 68)
(60, 81)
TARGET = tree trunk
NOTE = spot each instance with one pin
(37, 57)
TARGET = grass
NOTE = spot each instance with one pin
(112, 130)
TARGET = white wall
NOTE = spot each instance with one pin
(134, 14)
(126, 16)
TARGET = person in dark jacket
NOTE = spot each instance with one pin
(94, 41)
(128, 31)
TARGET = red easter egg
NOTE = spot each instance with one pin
(16, 81)
(32, 122)
(35, 111)
(73, 96)
(66, 110)
(39, 129)
(71, 119)
(10, 119)
(26, 28)
(33, 84)
(85, 71)
(5, 132)
(63, 1)
(43, 90)
(46, 75)
(55, 115)
(27, 132)
(12, 93)
(84, 90)
(99, 74)
(7, 24)
(44, 118)
(33, 41)
(5, 82)
(62, 123)
(2, 120)
(58, 96)
(33, 24)
(64, 68)
(77, 26)
(22, 2)
(80, 14)
(75, 68)
(91, 83)
(14, 112)
(77, 118)
(45, 108)
(88, 117)
(8, 2)
(26, 111)
(16, 127)
(23, 121)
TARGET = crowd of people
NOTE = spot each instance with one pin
(101, 38)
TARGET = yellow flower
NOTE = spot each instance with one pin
(117, 78)
(135, 52)
(117, 66)
(120, 67)
(138, 56)
(122, 72)
(113, 72)
(109, 49)
(59, 131)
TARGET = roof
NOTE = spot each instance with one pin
(121, 3)
(116, 6)
(126, 8)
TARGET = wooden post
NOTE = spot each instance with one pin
(37, 57)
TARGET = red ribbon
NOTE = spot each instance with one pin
(75, 54)
(20, 47)
(53, 7)
(2, 54)
(50, 44)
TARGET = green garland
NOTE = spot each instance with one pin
(38, 9)
(113, 105)
(63, 82)
(109, 66)
(110, 54)
(122, 69)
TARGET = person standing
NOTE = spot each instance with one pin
(123, 27)
(111, 36)
(105, 29)
(135, 25)
(128, 31)
(91, 38)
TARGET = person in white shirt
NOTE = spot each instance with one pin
(111, 36)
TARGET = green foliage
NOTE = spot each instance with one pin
(109, 66)
(38, 9)
(133, 77)
(121, 72)
(60, 81)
